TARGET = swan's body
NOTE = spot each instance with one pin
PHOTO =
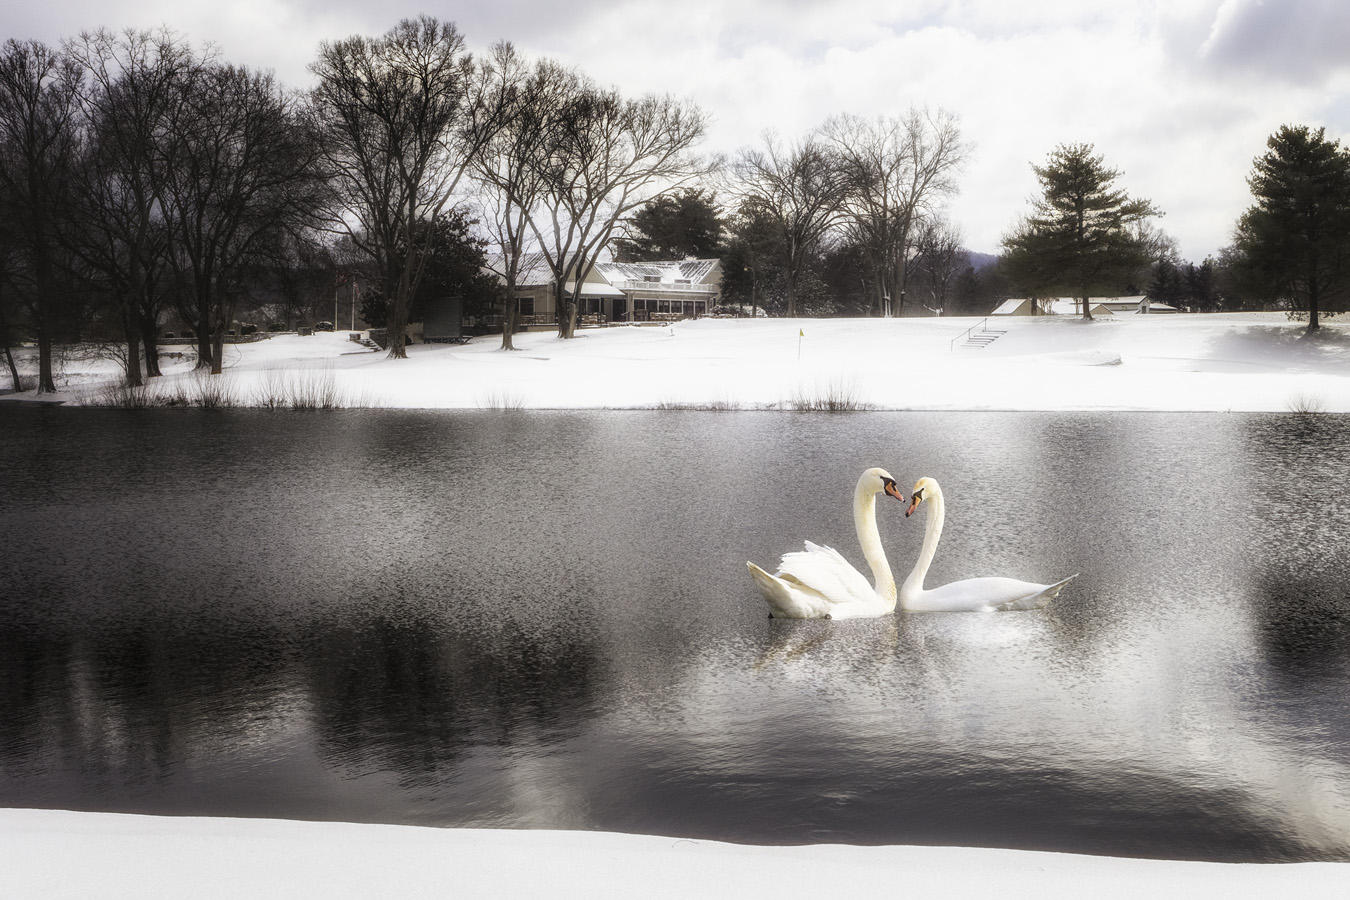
(818, 583)
(973, 594)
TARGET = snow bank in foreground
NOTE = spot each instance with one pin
(1237, 361)
(54, 854)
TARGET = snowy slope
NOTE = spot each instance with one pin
(1240, 361)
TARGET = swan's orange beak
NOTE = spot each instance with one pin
(914, 502)
(894, 491)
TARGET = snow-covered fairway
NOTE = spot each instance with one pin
(1238, 361)
(56, 854)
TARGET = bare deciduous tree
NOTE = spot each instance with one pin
(130, 86)
(897, 170)
(938, 258)
(800, 188)
(508, 172)
(605, 158)
(39, 145)
(240, 170)
(402, 120)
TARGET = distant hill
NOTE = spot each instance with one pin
(981, 261)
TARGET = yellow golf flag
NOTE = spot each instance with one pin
(801, 332)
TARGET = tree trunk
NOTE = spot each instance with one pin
(46, 384)
(901, 278)
(43, 321)
(566, 312)
(133, 335)
(398, 315)
(1313, 298)
(203, 343)
(573, 309)
(9, 357)
(510, 315)
(13, 369)
(398, 331)
(218, 350)
(151, 343)
(1087, 311)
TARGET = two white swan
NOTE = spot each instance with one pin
(818, 583)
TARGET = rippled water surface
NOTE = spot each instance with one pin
(544, 621)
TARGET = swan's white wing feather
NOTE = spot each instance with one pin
(824, 571)
(787, 600)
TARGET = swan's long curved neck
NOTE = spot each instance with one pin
(865, 522)
(913, 585)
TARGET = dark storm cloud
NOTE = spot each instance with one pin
(1296, 41)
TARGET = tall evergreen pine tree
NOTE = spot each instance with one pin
(1294, 242)
(1077, 238)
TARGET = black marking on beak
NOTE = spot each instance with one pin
(888, 485)
(914, 500)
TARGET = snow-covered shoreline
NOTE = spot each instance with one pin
(58, 854)
(1260, 362)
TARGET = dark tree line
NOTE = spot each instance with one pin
(140, 175)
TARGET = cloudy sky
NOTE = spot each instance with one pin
(1178, 94)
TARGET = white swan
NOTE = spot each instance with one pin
(818, 583)
(973, 594)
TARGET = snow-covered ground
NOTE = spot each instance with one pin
(1237, 361)
(55, 854)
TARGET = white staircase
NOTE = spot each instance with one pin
(977, 336)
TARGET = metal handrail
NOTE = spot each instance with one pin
(963, 335)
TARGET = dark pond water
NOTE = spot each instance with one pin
(544, 621)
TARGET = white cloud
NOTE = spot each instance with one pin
(1299, 41)
(1179, 95)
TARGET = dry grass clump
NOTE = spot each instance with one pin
(209, 391)
(200, 389)
(723, 405)
(501, 400)
(123, 396)
(837, 396)
(305, 389)
(1306, 404)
